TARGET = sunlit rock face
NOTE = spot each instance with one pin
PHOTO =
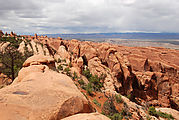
(40, 93)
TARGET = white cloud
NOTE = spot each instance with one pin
(72, 16)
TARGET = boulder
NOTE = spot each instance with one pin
(41, 94)
(39, 60)
(85, 116)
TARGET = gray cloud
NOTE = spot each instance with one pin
(73, 16)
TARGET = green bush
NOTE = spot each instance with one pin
(67, 70)
(116, 116)
(165, 115)
(109, 107)
(110, 111)
(152, 111)
(95, 81)
(155, 113)
(118, 98)
(65, 64)
(75, 76)
(87, 73)
(96, 103)
(81, 82)
(102, 77)
(59, 60)
(89, 89)
(70, 65)
(60, 67)
(129, 96)
(125, 111)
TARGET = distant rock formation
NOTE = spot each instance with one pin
(1, 33)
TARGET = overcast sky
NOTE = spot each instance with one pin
(89, 16)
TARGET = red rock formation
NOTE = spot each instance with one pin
(39, 93)
(127, 63)
(1, 33)
(36, 37)
(148, 74)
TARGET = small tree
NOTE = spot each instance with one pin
(11, 58)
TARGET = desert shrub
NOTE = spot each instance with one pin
(60, 67)
(165, 115)
(89, 89)
(67, 70)
(81, 82)
(74, 76)
(96, 103)
(109, 107)
(59, 60)
(116, 116)
(152, 111)
(110, 111)
(65, 64)
(125, 112)
(103, 76)
(87, 73)
(118, 98)
(83, 87)
(70, 65)
(129, 96)
(95, 81)
(155, 113)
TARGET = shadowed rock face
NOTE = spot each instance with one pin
(39, 93)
